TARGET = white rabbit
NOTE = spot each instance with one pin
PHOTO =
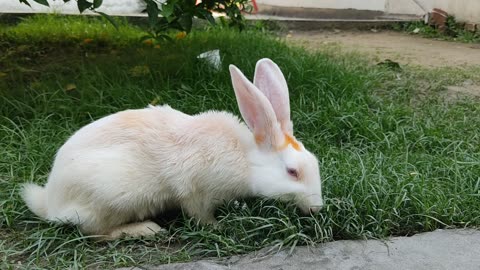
(114, 174)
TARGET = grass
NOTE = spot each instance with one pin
(69, 30)
(454, 31)
(388, 168)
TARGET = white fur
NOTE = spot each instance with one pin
(114, 174)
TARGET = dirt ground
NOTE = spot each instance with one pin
(403, 48)
(399, 47)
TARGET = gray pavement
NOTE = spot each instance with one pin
(439, 250)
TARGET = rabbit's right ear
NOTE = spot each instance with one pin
(256, 110)
(270, 80)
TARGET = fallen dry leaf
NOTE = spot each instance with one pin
(70, 87)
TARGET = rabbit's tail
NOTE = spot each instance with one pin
(35, 197)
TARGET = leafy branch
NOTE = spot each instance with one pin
(82, 6)
(175, 14)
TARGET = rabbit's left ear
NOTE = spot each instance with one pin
(270, 81)
(256, 110)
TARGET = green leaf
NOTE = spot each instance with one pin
(162, 25)
(186, 22)
(25, 2)
(83, 5)
(206, 15)
(167, 10)
(97, 3)
(42, 2)
(110, 19)
(210, 18)
(145, 37)
(152, 11)
(164, 37)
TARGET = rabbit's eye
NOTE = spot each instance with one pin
(292, 172)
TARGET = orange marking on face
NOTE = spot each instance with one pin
(259, 138)
(289, 140)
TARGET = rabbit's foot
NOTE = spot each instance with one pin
(144, 228)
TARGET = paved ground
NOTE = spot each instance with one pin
(439, 250)
(400, 47)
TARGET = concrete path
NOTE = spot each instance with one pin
(439, 250)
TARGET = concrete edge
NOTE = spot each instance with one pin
(329, 13)
(289, 23)
(439, 249)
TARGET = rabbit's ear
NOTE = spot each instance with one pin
(256, 110)
(270, 80)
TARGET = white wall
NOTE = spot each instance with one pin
(378, 5)
(463, 10)
(115, 7)
(405, 7)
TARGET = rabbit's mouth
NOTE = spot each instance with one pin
(309, 204)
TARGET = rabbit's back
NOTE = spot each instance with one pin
(136, 163)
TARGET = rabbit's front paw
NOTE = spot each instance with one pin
(145, 228)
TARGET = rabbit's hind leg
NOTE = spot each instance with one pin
(104, 227)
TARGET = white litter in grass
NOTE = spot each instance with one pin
(213, 58)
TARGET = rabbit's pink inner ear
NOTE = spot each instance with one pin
(270, 80)
(256, 110)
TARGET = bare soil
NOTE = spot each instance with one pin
(406, 49)
(399, 47)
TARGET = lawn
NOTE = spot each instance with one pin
(395, 158)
